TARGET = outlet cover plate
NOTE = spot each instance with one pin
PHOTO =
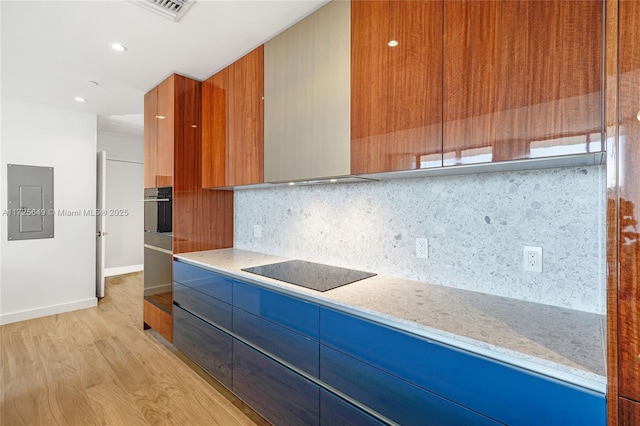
(532, 259)
(422, 248)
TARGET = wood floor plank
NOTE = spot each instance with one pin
(153, 403)
(66, 397)
(113, 406)
(223, 411)
(131, 373)
(98, 366)
(27, 409)
(94, 323)
(93, 368)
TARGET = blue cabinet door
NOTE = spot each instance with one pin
(286, 311)
(208, 308)
(336, 411)
(277, 393)
(207, 282)
(204, 344)
(497, 390)
(299, 351)
(390, 396)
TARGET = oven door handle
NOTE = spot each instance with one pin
(161, 250)
(153, 200)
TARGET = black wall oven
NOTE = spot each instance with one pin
(157, 209)
(158, 254)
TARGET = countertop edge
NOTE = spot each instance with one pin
(505, 356)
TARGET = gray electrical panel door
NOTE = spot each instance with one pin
(30, 210)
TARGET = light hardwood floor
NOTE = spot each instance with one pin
(98, 367)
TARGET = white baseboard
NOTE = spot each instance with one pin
(110, 272)
(48, 310)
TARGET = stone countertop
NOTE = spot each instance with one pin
(562, 343)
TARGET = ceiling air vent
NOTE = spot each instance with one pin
(171, 9)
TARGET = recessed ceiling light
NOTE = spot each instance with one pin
(79, 99)
(393, 43)
(118, 47)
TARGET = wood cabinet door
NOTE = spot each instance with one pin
(215, 101)
(233, 124)
(150, 137)
(165, 121)
(245, 149)
(629, 182)
(629, 412)
(522, 79)
(396, 90)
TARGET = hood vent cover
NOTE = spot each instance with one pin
(171, 9)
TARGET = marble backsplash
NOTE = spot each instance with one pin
(476, 225)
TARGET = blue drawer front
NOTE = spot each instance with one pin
(208, 308)
(204, 281)
(296, 315)
(395, 399)
(501, 392)
(336, 411)
(204, 344)
(277, 393)
(294, 348)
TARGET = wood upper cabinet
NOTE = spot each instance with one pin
(396, 91)
(629, 203)
(150, 138)
(233, 124)
(522, 79)
(159, 104)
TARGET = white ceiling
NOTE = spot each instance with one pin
(50, 50)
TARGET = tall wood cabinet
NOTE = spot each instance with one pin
(202, 219)
(522, 79)
(233, 123)
(629, 212)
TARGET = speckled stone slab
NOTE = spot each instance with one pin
(560, 342)
(477, 226)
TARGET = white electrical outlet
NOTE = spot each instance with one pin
(532, 259)
(257, 231)
(422, 248)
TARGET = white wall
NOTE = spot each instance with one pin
(125, 241)
(477, 226)
(48, 276)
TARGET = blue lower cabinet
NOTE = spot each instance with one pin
(289, 312)
(336, 411)
(390, 396)
(203, 280)
(299, 351)
(280, 395)
(499, 391)
(204, 344)
(210, 309)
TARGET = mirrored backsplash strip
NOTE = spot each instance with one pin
(476, 226)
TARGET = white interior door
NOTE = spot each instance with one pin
(101, 197)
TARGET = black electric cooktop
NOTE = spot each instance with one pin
(310, 275)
